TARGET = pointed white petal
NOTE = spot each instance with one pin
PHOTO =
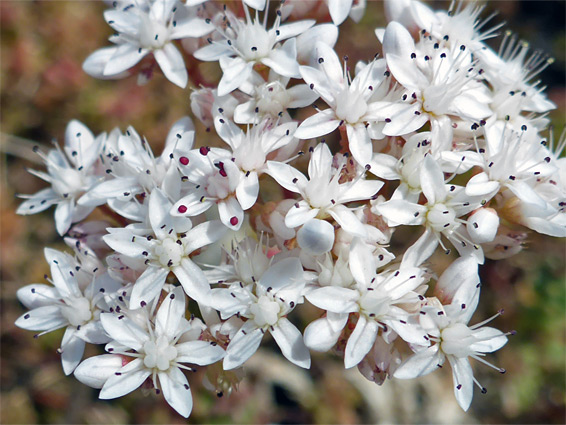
(290, 341)
(193, 280)
(493, 339)
(287, 176)
(124, 330)
(126, 56)
(248, 190)
(95, 371)
(321, 336)
(191, 28)
(72, 348)
(321, 123)
(339, 10)
(235, 72)
(64, 216)
(244, 344)
(283, 60)
(130, 377)
(400, 212)
(176, 391)
(231, 213)
(462, 375)
(170, 314)
(172, 64)
(347, 220)
(318, 82)
(335, 299)
(362, 262)
(204, 234)
(359, 143)
(432, 181)
(360, 341)
(42, 318)
(286, 272)
(422, 249)
(299, 214)
(201, 353)
(421, 363)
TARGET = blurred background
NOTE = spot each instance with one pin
(43, 87)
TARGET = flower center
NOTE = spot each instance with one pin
(159, 353)
(456, 340)
(169, 252)
(440, 217)
(272, 98)
(265, 311)
(153, 35)
(350, 106)
(254, 42)
(77, 310)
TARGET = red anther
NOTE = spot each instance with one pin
(234, 221)
(182, 209)
(184, 160)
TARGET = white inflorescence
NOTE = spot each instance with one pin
(274, 219)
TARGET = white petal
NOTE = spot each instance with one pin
(347, 220)
(482, 225)
(287, 176)
(462, 375)
(248, 190)
(299, 214)
(293, 29)
(432, 181)
(461, 275)
(124, 330)
(201, 353)
(339, 10)
(286, 272)
(481, 185)
(131, 377)
(114, 188)
(318, 82)
(320, 163)
(176, 391)
(335, 299)
(172, 64)
(159, 217)
(72, 348)
(362, 262)
(360, 341)
(283, 60)
(329, 63)
(316, 236)
(422, 249)
(235, 72)
(398, 45)
(125, 57)
(193, 280)
(320, 336)
(120, 240)
(421, 363)
(491, 340)
(38, 202)
(37, 295)
(80, 145)
(191, 28)
(213, 52)
(95, 63)
(255, 4)
(231, 213)
(244, 344)
(359, 143)
(204, 234)
(170, 314)
(64, 216)
(319, 124)
(290, 341)
(42, 318)
(398, 212)
(95, 371)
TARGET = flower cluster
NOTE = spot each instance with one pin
(439, 132)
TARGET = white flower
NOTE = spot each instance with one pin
(352, 103)
(374, 297)
(158, 351)
(246, 43)
(132, 170)
(70, 174)
(453, 338)
(271, 99)
(265, 304)
(147, 27)
(441, 81)
(441, 215)
(165, 248)
(324, 194)
(67, 305)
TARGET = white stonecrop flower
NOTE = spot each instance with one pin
(271, 99)
(441, 81)
(441, 215)
(324, 195)
(217, 181)
(131, 170)
(147, 27)
(447, 327)
(165, 248)
(265, 304)
(67, 305)
(156, 351)
(245, 44)
(375, 298)
(351, 102)
(70, 174)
